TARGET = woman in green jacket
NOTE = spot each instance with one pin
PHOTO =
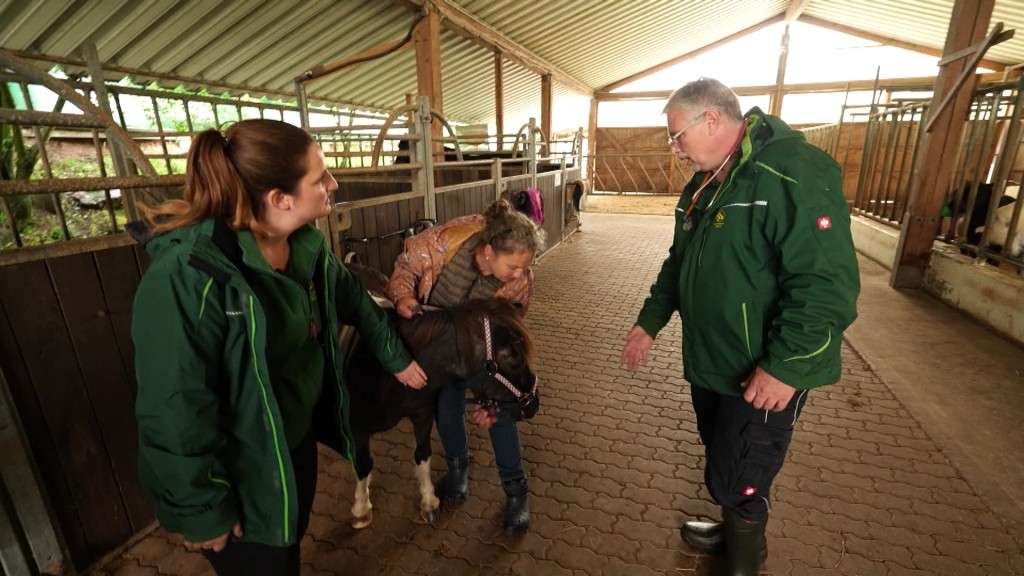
(235, 326)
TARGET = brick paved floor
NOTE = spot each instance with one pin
(615, 465)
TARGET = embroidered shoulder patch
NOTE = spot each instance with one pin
(824, 223)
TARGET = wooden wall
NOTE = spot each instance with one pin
(69, 366)
(637, 160)
(376, 221)
(472, 200)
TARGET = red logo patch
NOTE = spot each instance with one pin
(824, 223)
(749, 491)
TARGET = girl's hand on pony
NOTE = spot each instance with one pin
(485, 417)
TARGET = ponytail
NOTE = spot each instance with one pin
(228, 175)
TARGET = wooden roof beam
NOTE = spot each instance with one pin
(458, 20)
(795, 9)
(669, 63)
(937, 52)
(919, 82)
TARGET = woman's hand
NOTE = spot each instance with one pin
(408, 307)
(217, 544)
(484, 417)
(413, 376)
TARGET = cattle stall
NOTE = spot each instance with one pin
(878, 145)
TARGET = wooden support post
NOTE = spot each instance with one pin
(302, 103)
(496, 173)
(428, 69)
(425, 176)
(499, 101)
(592, 144)
(921, 220)
(545, 111)
(531, 150)
(122, 166)
(775, 104)
(410, 99)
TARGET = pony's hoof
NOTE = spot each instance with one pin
(429, 517)
(363, 521)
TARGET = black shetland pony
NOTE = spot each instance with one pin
(484, 343)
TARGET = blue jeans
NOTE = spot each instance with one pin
(451, 427)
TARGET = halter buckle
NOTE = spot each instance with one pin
(491, 366)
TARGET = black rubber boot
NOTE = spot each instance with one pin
(745, 544)
(704, 537)
(456, 483)
(517, 507)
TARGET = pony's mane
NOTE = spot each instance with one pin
(502, 313)
(422, 329)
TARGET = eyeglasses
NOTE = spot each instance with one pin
(673, 139)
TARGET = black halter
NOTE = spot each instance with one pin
(490, 370)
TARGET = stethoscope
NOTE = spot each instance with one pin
(688, 222)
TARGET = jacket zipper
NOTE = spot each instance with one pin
(331, 341)
(719, 194)
(270, 417)
(746, 331)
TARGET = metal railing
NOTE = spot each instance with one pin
(880, 144)
(75, 163)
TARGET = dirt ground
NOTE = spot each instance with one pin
(632, 204)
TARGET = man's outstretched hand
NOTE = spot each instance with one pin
(638, 344)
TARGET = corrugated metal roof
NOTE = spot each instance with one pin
(265, 44)
(922, 22)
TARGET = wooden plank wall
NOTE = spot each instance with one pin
(466, 201)
(69, 368)
(664, 174)
(656, 172)
(376, 221)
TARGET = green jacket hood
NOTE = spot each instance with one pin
(763, 131)
(156, 244)
(210, 246)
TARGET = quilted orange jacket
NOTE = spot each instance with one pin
(427, 253)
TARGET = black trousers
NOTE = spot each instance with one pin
(248, 558)
(744, 448)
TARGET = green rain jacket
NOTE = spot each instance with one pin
(767, 274)
(212, 449)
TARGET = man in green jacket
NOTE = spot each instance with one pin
(763, 273)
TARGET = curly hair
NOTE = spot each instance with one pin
(509, 231)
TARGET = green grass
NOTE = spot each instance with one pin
(45, 228)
